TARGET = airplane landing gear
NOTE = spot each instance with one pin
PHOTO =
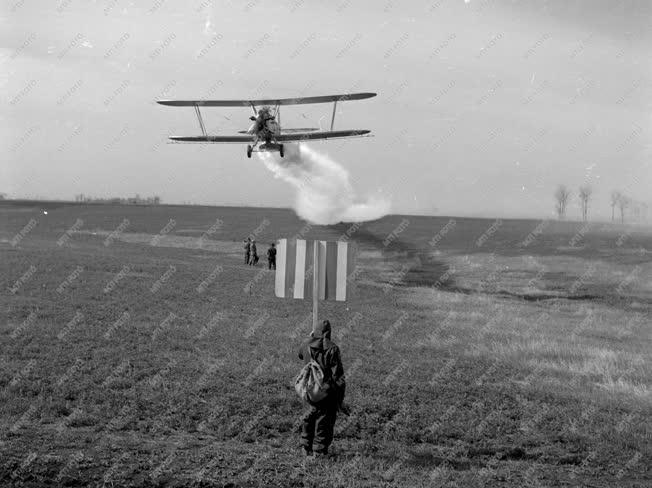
(280, 149)
(249, 150)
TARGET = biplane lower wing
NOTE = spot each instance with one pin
(331, 134)
(296, 137)
(288, 131)
(217, 139)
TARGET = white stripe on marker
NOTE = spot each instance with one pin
(300, 269)
(340, 289)
(322, 270)
(279, 285)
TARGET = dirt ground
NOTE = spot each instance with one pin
(136, 349)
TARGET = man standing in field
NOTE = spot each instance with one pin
(247, 249)
(271, 257)
(254, 253)
(319, 422)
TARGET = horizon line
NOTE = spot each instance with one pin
(461, 216)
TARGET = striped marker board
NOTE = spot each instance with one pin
(294, 269)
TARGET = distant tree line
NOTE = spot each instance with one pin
(137, 200)
(637, 209)
(628, 208)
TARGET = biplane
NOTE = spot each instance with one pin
(266, 132)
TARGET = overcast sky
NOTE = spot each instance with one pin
(483, 107)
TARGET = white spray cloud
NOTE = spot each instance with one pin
(324, 193)
(208, 24)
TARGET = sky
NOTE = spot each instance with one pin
(483, 107)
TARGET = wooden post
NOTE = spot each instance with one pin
(315, 284)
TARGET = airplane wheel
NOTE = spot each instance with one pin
(249, 149)
(280, 150)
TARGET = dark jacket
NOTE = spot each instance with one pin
(327, 354)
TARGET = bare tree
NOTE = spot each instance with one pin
(584, 196)
(561, 195)
(636, 210)
(615, 197)
(623, 203)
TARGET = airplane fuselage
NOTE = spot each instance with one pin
(265, 130)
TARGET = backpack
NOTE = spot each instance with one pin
(310, 383)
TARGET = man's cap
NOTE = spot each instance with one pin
(322, 328)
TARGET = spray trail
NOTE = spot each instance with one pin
(324, 193)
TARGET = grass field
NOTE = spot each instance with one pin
(138, 350)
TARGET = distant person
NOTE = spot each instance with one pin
(254, 253)
(318, 423)
(271, 257)
(247, 249)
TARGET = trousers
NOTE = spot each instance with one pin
(318, 425)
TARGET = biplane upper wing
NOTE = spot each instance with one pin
(270, 101)
(331, 134)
